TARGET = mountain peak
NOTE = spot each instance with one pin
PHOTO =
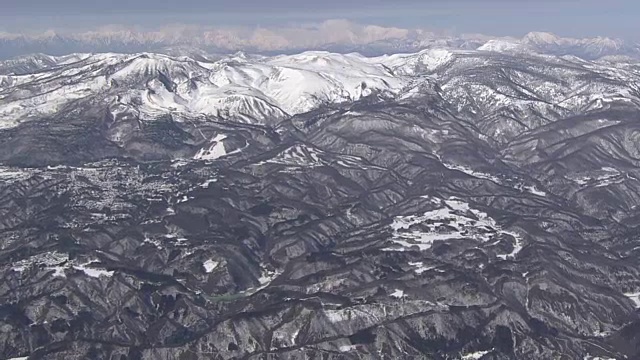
(503, 45)
(607, 42)
(541, 38)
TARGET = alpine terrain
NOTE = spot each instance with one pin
(442, 204)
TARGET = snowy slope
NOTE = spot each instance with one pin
(255, 89)
(413, 64)
(500, 82)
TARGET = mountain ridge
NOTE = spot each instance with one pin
(259, 89)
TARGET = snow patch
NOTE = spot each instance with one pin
(299, 155)
(337, 316)
(157, 243)
(93, 272)
(215, 151)
(58, 263)
(475, 355)
(351, 315)
(635, 297)
(50, 261)
(398, 294)
(347, 348)
(470, 172)
(210, 265)
(599, 178)
(516, 247)
(267, 277)
(208, 182)
(8, 174)
(420, 268)
(454, 219)
(534, 190)
(480, 175)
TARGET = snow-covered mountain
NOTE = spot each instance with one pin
(237, 87)
(587, 48)
(496, 84)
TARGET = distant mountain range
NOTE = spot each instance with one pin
(260, 89)
(335, 35)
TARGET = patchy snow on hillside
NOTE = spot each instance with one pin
(59, 263)
(475, 355)
(452, 220)
(92, 271)
(210, 265)
(635, 297)
(215, 151)
(299, 155)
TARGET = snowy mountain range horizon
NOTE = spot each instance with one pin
(340, 36)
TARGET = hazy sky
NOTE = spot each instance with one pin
(617, 18)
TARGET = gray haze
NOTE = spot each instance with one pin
(617, 18)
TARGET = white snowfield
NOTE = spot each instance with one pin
(249, 89)
(210, 265)
(59, 263)
(215, 151)
(475, 355)
(635, 297)
(453, 219)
